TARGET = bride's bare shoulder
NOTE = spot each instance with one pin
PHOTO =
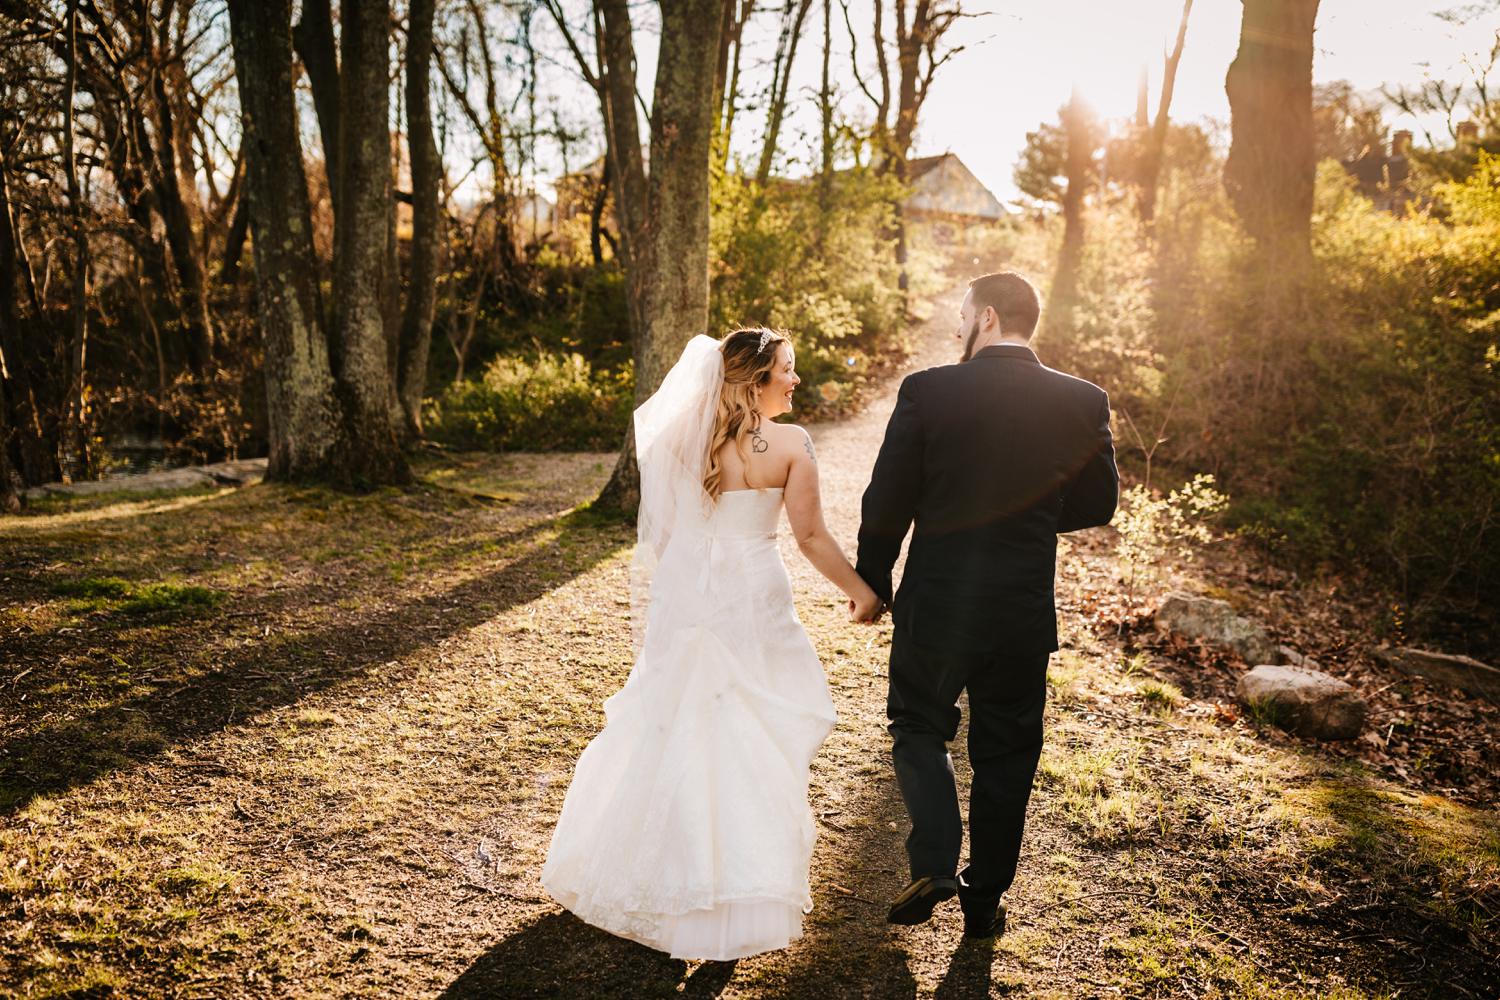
(792, 440)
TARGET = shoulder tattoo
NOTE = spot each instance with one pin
(758, 444)
(807, 443)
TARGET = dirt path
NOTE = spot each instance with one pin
(342, 777)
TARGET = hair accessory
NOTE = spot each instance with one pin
(765, 336)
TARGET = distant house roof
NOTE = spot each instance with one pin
(944, 185)
(941, 185)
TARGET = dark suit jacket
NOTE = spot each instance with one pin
(991, 458)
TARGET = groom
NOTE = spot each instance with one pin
(992, 458)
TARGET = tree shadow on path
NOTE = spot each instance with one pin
(265, 675)
(559, 956)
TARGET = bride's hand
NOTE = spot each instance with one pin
(866, 608)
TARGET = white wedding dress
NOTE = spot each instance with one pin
(687, 826)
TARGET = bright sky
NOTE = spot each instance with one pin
(1022, 59)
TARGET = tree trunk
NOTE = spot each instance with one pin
(1269, 173)
(596, 215)
(681, 134)
(32, 449)
(306, 431)
(313, 37)
(361, 242)
(781, 80)
(10, 500)
(825, 114)
(75, 456)
(908, 62)
(731, 88)
(234, 239)
(10, 321)
(625, 161)
(177, 223)
(427, 219)
(667, 263)
(1080, 150)
(135, 194)
(1156, 139)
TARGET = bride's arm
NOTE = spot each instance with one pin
(804, 510)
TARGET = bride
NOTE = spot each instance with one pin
(686, 827)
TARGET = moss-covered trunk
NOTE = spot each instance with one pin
(359, 352)
(305, 428)
(664, 216)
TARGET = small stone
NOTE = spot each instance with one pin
(1306, 702)
(1215, 622)
(1293, 658)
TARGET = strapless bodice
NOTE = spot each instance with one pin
(747, 513)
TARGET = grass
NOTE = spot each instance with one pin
(1162, 696)
(111, 593)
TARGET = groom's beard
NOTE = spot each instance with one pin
(969, 344)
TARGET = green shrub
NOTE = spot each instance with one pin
(1350, 406)
(553, 402)
(821, 265)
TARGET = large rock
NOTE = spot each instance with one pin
(1216, 623)
(240, 473)
(1460, 671)
(1303, 701)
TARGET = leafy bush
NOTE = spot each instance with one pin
(1153, 529)
(554, 402)
(819, 263)
(1352, 407)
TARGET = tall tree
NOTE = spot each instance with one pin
(34, 390)
(132, 69)
(1081, 138)
(1156, 138)
(792, 17)
(75, 438)
(663, 214)
(361, 261)
(317, 48)
(825, 117)
(306, 428)
(177, 200)
(11, 370)
(1269, 173)
(427, 218)
(728, 80)
(920, 28)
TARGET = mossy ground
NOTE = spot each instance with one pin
(327, 757)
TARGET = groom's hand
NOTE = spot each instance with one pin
(866, 612)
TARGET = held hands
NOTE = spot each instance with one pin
(866, 609)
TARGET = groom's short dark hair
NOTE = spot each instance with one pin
(1013, 298)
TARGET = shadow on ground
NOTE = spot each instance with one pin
(559, 956)
(259, 676)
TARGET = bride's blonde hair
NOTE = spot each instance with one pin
(749, 355)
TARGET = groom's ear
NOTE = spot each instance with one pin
(990, 313)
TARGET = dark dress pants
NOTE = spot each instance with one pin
(1007, 693)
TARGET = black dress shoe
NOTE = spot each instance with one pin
(916, 902)
(984, 909)
(986, 923)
